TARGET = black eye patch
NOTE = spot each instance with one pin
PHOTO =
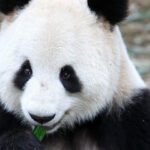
(69, 79)
(23, 75)
(7, 6)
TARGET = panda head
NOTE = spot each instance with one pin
(59, 63)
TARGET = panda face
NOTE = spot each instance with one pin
(61, 67)
(70, 82)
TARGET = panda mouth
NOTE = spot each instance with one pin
(48, 129)
(52, 128)
(55, 126)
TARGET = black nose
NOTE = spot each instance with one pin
(42, 119)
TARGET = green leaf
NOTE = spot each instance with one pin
(39, 132)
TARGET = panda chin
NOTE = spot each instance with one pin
(53, 128)
(49, 129)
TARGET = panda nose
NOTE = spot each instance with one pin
(42, 119)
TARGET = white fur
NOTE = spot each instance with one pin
(54, 33)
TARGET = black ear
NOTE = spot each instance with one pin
(7, 6)
(112, 10)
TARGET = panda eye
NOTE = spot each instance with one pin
(23, 75)
(27, 72)
(66, 75)
(69, 79)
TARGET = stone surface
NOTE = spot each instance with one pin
(136, 31)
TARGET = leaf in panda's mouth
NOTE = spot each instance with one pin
(39, 132)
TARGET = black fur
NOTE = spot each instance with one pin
(7, 6)
(8, 121)
(113, 10)
(23, 75)
(14, 135)
(19, 140)
(70, 80)
(127, 130)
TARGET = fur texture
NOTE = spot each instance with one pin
(112, 10)
(101, 81)
(122, 130)
(14, 134)
(126, 129)
(7, 6)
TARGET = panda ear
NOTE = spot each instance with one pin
(8, 6)
(113, 10)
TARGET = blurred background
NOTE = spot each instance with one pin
(136, 32)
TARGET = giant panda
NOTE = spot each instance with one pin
(64, 66)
